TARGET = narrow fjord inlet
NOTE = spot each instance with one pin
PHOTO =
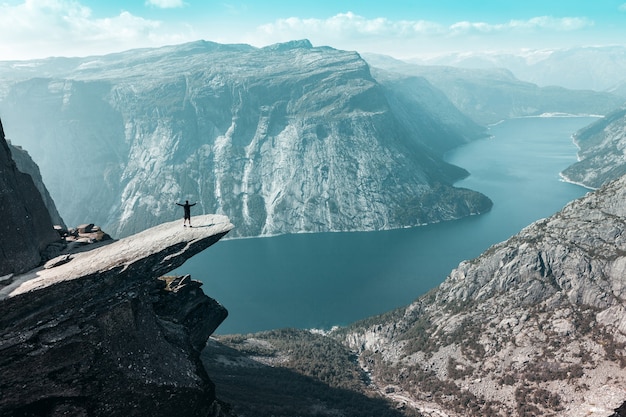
(326, 279)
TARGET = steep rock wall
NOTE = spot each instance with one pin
(25, 225)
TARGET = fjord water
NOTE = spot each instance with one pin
(326, 279)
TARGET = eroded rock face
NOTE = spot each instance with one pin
(111, 340)
(25, 225)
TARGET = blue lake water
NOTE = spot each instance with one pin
(326, 279)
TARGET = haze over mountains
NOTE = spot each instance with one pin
(283, 139)
(599, 68)
(489, 95)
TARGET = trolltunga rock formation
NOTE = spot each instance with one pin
(100, 335)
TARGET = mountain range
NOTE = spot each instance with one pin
(490, 95)
(283, 139)
(598, 68)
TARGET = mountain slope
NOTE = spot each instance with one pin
(494, 94)
(601, 151)
(534, 326)
(283, 139)
(419, 104)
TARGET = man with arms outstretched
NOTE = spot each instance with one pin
(187, 209)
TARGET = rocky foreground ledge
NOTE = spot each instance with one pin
(98, 334)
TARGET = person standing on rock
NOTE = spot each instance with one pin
(187, 209)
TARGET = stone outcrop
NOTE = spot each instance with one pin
(534, 326)
(100, 335)
(25, 226)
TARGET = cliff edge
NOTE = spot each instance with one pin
(100, 335)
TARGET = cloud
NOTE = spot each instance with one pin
(407, 37)
(622, 7)
(352, 24)
(165, 4)
(39, 28)
(536, 24)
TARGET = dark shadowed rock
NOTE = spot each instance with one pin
(99, 335)
(620, 411)
(25, 225)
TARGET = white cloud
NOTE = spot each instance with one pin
(404, 38)
(40, 28)
(165, 4)
(351, 24)
(536, 24)
(622, 7)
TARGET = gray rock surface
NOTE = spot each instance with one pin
(100, 335)
(25, 225)
(534, 326)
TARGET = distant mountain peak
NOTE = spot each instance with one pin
(286, 46)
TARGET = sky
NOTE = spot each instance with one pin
(401, 28)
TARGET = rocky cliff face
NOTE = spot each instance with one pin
(100, 335)
(601, 154)
(534, 326)
(26, 227)
(283, 139)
